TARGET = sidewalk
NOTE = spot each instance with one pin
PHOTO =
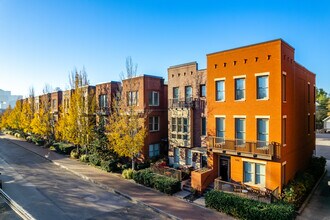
(173, 207)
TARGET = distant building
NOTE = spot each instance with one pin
(6, 99)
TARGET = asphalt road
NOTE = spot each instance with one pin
(49, 192)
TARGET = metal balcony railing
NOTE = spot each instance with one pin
(187, 103)
(270, 150)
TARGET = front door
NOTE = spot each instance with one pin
(224, 169)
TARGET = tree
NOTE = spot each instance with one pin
(26, 117)
(41, 123)
(322, 110)
(4, 118)
(14, 118)
(126, 128)
(77, 125)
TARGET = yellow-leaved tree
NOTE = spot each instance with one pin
(4, 118)
(77, 124)
(26, 117)
(126, 128)
(14, 119)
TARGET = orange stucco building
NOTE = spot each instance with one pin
(261, 114)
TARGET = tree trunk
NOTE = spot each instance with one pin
(133, 163)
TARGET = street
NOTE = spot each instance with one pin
(47, 191)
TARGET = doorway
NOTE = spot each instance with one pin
(224, 168)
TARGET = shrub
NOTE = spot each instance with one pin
(127, 173)
(65, 148)
(109, 165)
(84, 158)
(297, 189)
(52, 148)
(162, 183)
(166, 184)
(244, 208)
(74, 154)
(95, 159)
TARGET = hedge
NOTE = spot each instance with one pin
(244, 208)
(109, 165)
(164, 184)
(94, 159)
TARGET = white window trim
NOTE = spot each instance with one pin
(153, 104)
(239, 116)
(284, 116)
(153, 123)
(284, 73)
(254, 173)
(219, 79)
(262, 74)
(224, 89)
(254, 161)
(239, 77)
(262, 116)
(219, 116)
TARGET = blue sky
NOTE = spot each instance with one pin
(42, 41)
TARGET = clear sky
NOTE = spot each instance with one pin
(42, 41)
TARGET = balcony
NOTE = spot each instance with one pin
(257, 149)
(187, 103)
(103, 111)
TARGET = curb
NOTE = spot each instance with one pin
(100, 184)
(303, 206)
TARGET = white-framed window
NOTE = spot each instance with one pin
(240, 89)
(132, 98)
(103, 101)
(153, 150)
(173, 124)
(176, 155)
(220, 90)
(262, 87)
(220, 129)
(254, 173)
(262, 132)
(188, 157)
(240, 130)
(175, 95)
(154, 123)
(154, 98)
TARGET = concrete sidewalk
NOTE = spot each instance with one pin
(174, 207)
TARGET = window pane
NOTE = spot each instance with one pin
(179, 125)
(173, 124)
(175, 93)
(156, 98)
(203, 126)
(260, 174)
(202, 90)
(188, 93)
(220, 127)
(185, 125)
(150, 98)
(220, 90)
(239, 89)
(262, 82)
(248, 172)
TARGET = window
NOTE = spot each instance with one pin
(153, 150)
(284, 131)
(103, 101)
(314, 96)
(220, 90)
(176, 155)
(262, 85)
(240, 131)
(154, 123)
(220, 129)
(188, 93)
(309, 92)
(189, 157)
(284, 87)
(179, 124)
(262, 135)
(132, 98)
(203, 126)
(240, 89)
(54, 104)
(173, 124)
(185, 124)
(154, 98)
(254, 173)
(202, 90)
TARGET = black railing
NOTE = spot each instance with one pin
(187, 103)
